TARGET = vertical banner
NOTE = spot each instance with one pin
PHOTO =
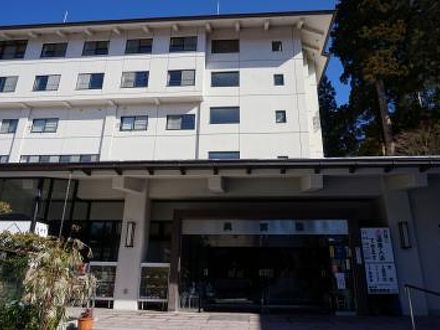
(380, 269)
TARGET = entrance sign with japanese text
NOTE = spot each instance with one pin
(380, 269)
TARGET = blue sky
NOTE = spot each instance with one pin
(41, 11)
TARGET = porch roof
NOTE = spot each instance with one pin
(349, 165)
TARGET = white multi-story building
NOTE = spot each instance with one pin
(187, 153)
(163, 89)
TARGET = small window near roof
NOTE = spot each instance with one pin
(225, 46)
(223, 155)
(12, 49)
(139, 46)
(54, 50)
(277, 46)
(183, 44)
(280, 116)
(95, 48)
(278, 79)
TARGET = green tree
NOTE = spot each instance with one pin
(338, 123)
(368, 38)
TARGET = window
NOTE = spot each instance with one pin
(54, 50)
(225, 79)
(9, 126)
(135, 123)
(59, 158)
(183, 44)
(181, 78)
(225, 46)
(8, 84)
(278, 79)
(47, 83)
(225, 115)
(184, 122)
(277, 46)
(12, 49)
(219, 155)
(134, 79)
(90, 81)
(4, 159)
(45, 125)
(139, 46)
(95, 48)
(280, 116)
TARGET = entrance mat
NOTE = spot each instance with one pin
(229, 317)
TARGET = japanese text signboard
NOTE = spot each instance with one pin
(379, 261)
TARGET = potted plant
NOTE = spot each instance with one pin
(85, 321)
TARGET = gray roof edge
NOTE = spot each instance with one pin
(167, 19)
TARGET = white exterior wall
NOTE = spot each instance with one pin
(92, 126)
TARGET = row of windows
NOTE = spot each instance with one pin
(212, 155)
(59, 158)
(15, 49)
(218, 115)
(90, 158)
(136, 79)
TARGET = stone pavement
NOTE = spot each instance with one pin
(116, 320)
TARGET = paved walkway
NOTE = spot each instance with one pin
(116, 320)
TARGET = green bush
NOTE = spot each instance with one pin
(16, 315)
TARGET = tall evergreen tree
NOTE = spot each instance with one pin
(368, 38)
(338, 123)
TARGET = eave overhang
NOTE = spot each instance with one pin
(381, 166)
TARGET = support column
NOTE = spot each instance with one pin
(128, 273)
(20, 133)
(397, 208)
(107, 133)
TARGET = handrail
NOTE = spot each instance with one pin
(435, 293)
(408, 288)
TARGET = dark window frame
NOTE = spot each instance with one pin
(187, 44)
(183, 122)
(145, 49)
(133, 126)
(3, 84)
(232, 48)
(96, 51)
(284, 113)
(171, 82)
(90, 85)
(56, 53)
(136, 73)
(14, 126)
(19, 51)
(278, 79)
(235, 153)
(277, 46)
(236, 116)
(214, 84)
(36, 85)
(45, 125)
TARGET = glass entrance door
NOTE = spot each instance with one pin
(260, 272)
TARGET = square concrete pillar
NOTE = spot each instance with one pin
(128, 272)
(397, 208)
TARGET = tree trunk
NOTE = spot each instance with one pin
(385, 118)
